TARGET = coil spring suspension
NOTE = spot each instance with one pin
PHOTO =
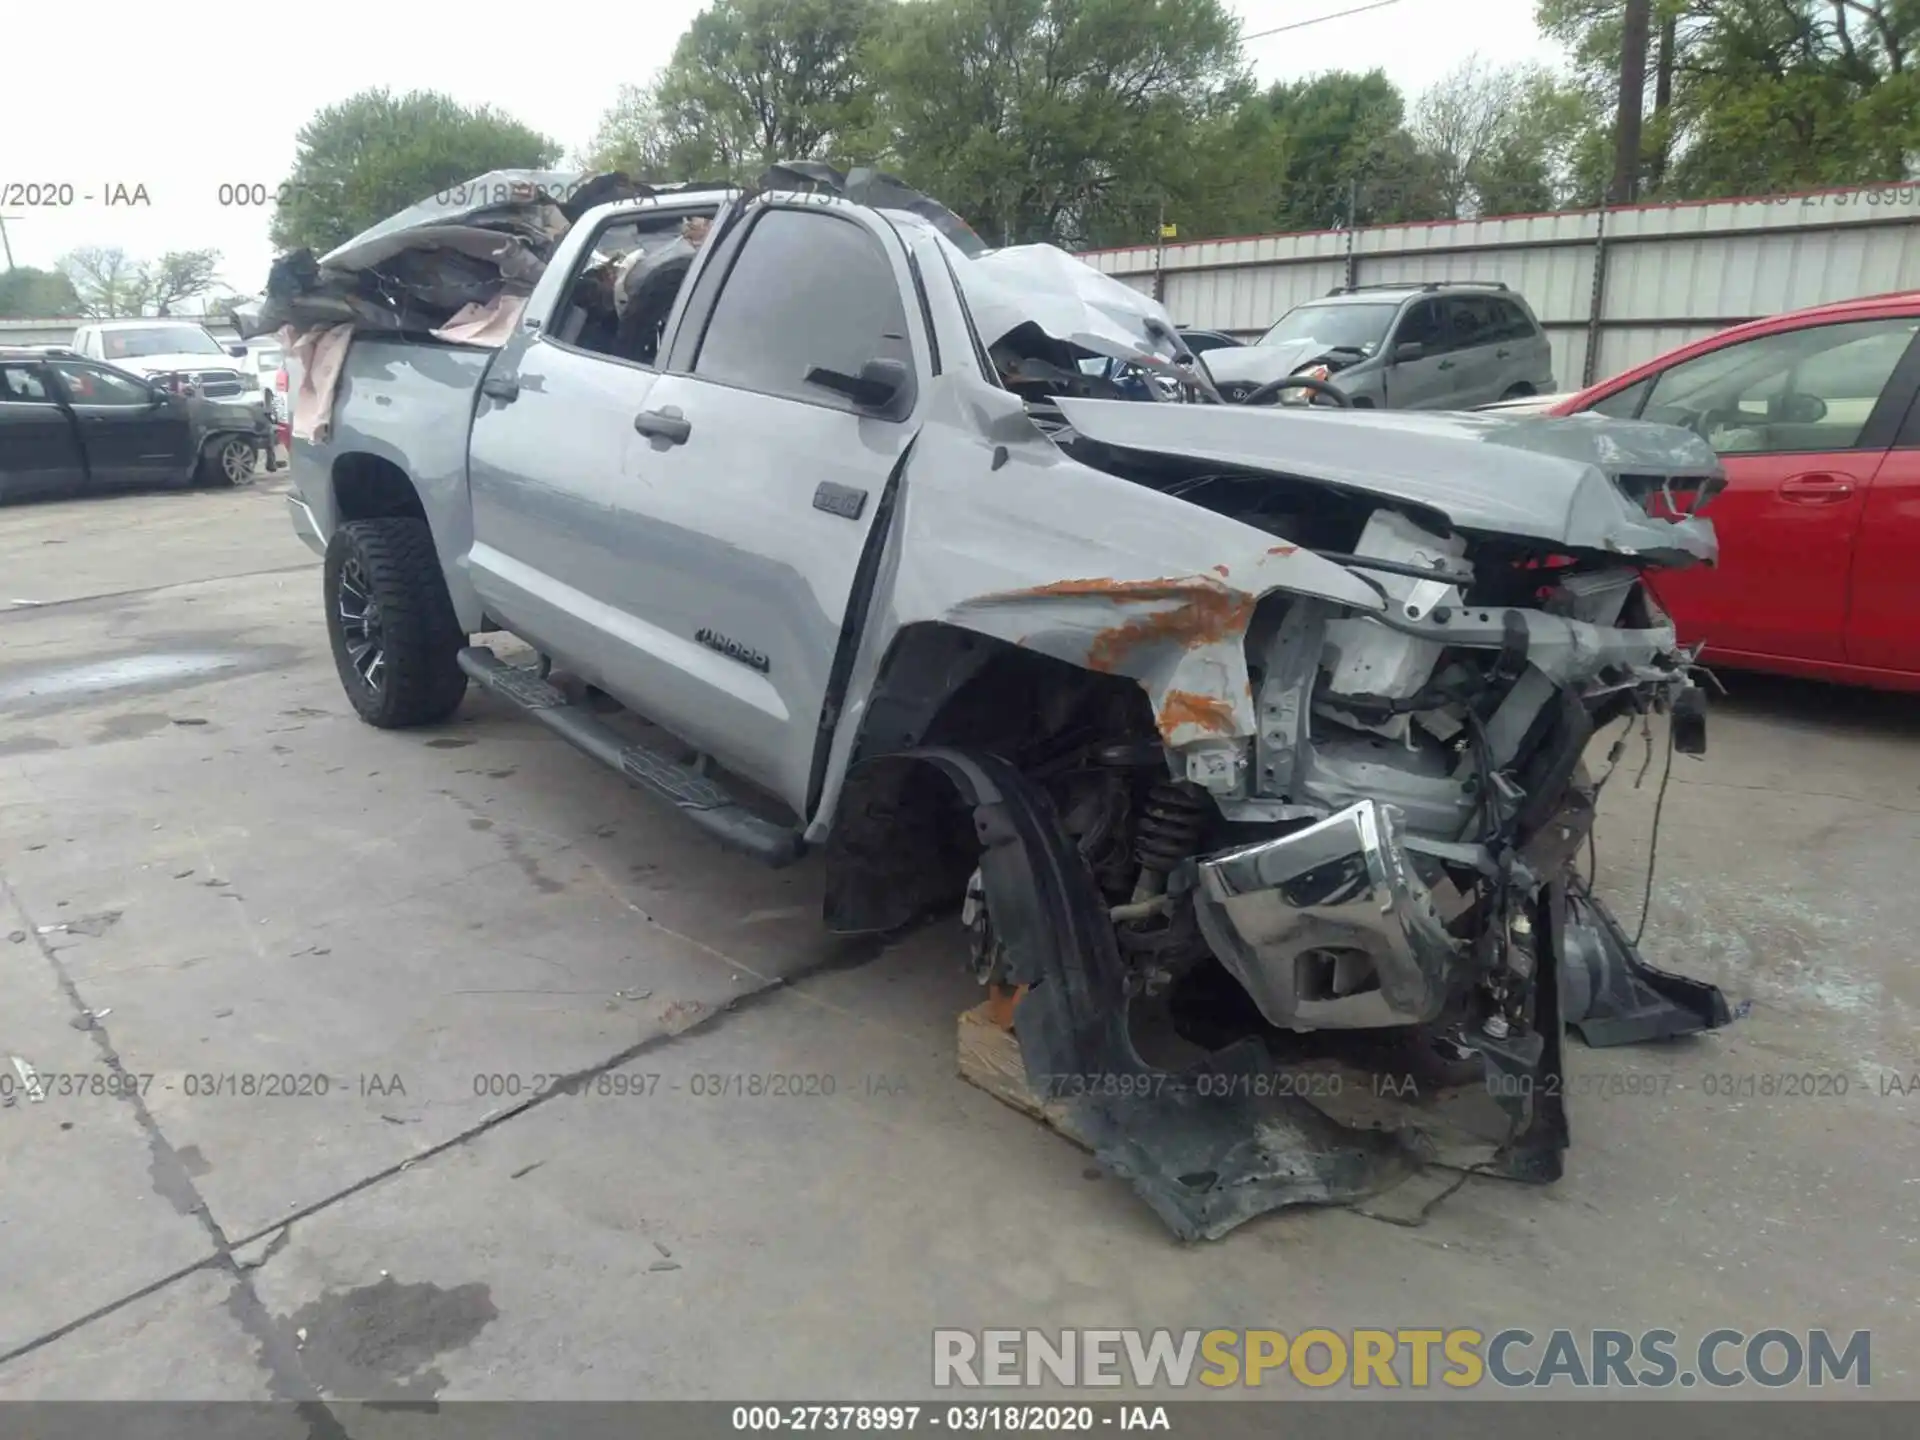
(1171, 824)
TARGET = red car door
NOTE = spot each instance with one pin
(1802, 419)
(1883, 623)
(1786, 525)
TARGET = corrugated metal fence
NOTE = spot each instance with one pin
(1612, 287)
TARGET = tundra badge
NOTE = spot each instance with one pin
(734, 650)
(841, 500)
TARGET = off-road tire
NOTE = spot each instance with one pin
(1517, 392)
(392, 564)
(218, 465)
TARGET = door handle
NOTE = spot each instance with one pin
(1815, 489)
(1444, 365)
(503, 388)
(1502, 353)
(667, 423)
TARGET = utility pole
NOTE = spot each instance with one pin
(1160, 254)
(1351, 270)
(1633, 88)
(5, 243)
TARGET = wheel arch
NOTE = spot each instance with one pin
(377, 484)
(368, 486)
(944, 689)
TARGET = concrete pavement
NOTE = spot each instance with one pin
(341, 964)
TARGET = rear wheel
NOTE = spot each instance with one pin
(1517, 392)
(228, 461)
(396, 641)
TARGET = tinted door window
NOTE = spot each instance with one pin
(1475, 322)
(808, 289)
(625, 287)
(1514, 323)
(1798, 390)
(95, 385)
(20, 383)
(1421, 325)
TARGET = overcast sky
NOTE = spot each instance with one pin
(140, 100)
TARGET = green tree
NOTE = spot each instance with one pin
(30, 294)
(755, 81)
(376, 153)
(1503, 141)
(1349, 155)
(1070, 121)
(106, 282)
(177, 275)
(1752, 96)
(633, 137)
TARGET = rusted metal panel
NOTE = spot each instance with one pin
(1200, 610)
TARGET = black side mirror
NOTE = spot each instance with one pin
(1409, 350)
(239, 352)
(1797, 409)
(878, 388)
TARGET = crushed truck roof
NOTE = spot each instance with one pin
(464, 247)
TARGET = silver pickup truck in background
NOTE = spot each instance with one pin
(1168, 696)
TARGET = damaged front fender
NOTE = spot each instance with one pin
(1183, 637)
(992, 535)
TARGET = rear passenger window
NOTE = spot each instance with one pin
(809, 288)
(1515, 324)
(1475, 322)
(18, 382)
(624, 290)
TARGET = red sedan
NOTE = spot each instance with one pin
(1815, 416)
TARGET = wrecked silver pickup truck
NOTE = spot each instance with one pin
(1272, 717)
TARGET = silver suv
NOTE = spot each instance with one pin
(1411, 345)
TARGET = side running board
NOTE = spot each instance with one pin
(698, 796)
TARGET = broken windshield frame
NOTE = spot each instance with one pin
(1360, 328)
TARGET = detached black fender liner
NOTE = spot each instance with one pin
(1613, 996)
(1206, 1156)
(1206, 1153)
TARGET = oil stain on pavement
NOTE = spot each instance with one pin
(377, 1342)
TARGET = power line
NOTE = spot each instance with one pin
(1320, 19)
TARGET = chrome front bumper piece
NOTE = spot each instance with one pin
(1329, 927)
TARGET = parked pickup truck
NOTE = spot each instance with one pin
(1159, 693)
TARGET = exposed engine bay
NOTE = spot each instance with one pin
(1392, 854)
(1370, 858)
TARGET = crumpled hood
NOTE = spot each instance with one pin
(1539, 477)
(1261, 363)
(1065, 297)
